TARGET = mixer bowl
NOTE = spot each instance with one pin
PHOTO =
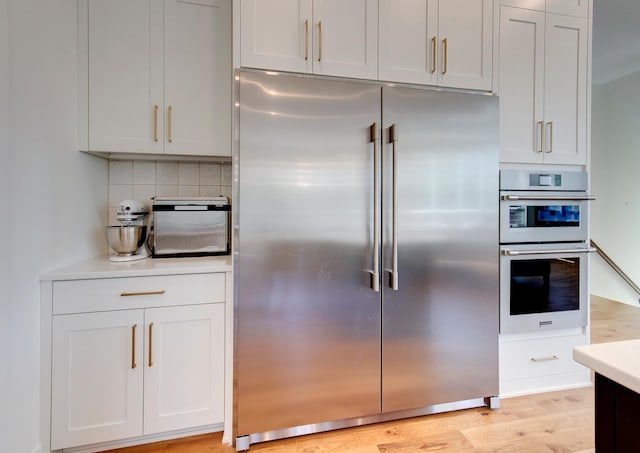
(125, 240)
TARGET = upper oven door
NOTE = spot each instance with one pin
(530, 217)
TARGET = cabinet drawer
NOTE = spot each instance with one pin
(78, 296)
(521, 359)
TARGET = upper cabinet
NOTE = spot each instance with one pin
(543, 87)
(329, 37)
(578, 8)
(445, 43)
(431, 42)
(158, 76)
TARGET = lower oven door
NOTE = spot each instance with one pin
(543, 287)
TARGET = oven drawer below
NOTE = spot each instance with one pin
(540, 363)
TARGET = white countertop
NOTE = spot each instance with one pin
(101, 267)
(618, 361)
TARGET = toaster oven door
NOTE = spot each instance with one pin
(191, 233)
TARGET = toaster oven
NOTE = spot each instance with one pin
(194, 226)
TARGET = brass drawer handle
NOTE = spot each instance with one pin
(143, 293)
(545, 359)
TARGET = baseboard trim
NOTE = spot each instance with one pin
(144, 439)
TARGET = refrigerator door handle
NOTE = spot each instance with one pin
(375, 273)
(393, 273)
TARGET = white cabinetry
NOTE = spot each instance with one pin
(533, 364)
(431, 42)
(97, 377)
(162, 82)
(578, 8)
(329, 37)
(543, 87)
(184, 367)
(132, 357)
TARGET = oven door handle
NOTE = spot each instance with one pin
(546, 198)
(507, 252)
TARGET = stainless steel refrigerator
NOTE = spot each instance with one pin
(366, 253)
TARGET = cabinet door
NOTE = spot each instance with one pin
(184, 367)
(197, 39)
(125, 75)
(521, 84)
(276, 34)
(578, 8)
(345, 38)
(465, 43)
(408, 41)
(565, 99)
(96, 377)
(538, 5)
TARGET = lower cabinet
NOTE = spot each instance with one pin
(127, 373)
(535, 363)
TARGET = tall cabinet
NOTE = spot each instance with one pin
(543, 82)
(543, 75)
(162, 83)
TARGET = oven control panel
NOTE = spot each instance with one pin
(545, 180)
(563, 181)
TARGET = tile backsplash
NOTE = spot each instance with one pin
(143, 180)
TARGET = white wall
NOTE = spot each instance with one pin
(615, 178)
(58, 195)
(4, 226)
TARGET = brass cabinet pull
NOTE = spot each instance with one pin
(541, 124)
(433, 55)
(150, 344)
(306, 39)
(143, 293)
(155, 123)
(319, 40)
(133, 346)
(550, 124)
(169, 110)
(444, 56)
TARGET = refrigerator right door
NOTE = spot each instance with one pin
(440, 326)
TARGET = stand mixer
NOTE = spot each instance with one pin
(128, 239)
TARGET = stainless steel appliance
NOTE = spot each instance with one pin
(544, 254)
(366, 264)
(191, 226)
(543, 206)
(128, 239)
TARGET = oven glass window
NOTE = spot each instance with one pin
(544, 285)
(544, 216)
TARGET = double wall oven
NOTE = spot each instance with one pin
(543, 250)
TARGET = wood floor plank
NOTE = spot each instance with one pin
(558, 422)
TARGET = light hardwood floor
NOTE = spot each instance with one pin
(548, 422)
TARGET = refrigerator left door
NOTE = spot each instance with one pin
(307, 321)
